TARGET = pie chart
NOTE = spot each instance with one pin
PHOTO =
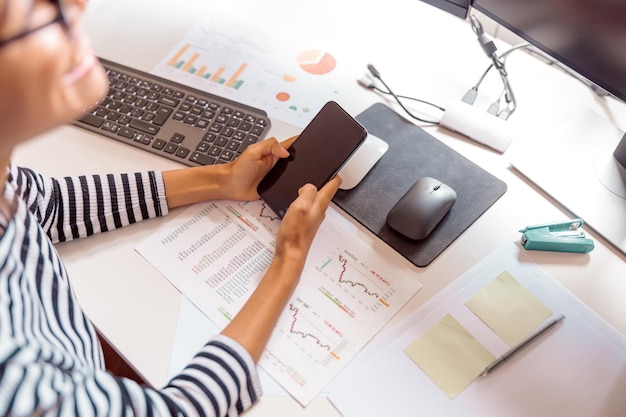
(316, 61)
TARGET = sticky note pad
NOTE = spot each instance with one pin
(449, 355)
(509, 309)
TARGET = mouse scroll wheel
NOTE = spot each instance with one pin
(436, 187)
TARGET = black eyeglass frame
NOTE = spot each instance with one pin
(60, 18)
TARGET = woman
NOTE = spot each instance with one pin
(50, 358)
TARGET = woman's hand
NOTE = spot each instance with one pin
(302, 220)
(253, 325)
(246, 172)
(237, 180)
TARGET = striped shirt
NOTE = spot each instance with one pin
(50, 358)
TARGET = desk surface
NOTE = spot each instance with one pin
(420, 51)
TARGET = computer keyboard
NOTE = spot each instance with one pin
(172, 120)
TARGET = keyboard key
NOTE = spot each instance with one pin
(177, 138)
(203, 147)
(162, 114)
(110, 126)
(233, 145)
(227, 155)
(209, 137)
(202, 123)
(168, 101)
(220, 141)
(170, 148)
(190, 119)
(247, 142)
(215, 151)
(101, 112)
(126, 132)
(159, 144)
(202, 159)
(115, 105)
(182, 152)
(144, 126)
(92, 120)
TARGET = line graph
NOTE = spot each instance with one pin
(352, 285)
(343, 280)
(259, 210)
(267, 213)
(293, 329)
(313, 333)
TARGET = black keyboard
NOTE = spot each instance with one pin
(171, 120)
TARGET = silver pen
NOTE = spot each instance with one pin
(540, 331)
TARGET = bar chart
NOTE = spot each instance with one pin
(289, 77)
(193, 64)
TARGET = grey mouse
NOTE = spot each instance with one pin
(421, 208)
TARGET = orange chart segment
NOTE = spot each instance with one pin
(316, 61)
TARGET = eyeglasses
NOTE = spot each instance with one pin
(60, 18)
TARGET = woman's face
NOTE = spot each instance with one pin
(47, 77)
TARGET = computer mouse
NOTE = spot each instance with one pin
(421, 208)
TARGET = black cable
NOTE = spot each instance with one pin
(438, 107)
(389, 91)
(498, 63)
(503, 58)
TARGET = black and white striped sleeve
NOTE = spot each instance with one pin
(75, 207)
(221, 380)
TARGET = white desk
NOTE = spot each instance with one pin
(420, 51)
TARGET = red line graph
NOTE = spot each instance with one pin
(267, 216)
(304, 335)
(342, 280)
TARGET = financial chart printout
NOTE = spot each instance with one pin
(216, 254)
(286, 74)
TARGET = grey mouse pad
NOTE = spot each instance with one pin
(413, 153)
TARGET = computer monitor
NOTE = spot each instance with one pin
(459, 8)
(582, 163)
(587, 36)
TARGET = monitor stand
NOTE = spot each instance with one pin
(611, 174)
(575, 165)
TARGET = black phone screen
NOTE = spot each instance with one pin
(318, 153)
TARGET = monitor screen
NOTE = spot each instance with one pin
(588, 36)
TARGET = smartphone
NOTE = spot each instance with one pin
(316, 156)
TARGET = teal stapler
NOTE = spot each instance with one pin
(565, 236)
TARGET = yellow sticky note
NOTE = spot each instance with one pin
(508, 308)
(449, 355)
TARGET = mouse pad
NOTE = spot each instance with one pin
(413, 153)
